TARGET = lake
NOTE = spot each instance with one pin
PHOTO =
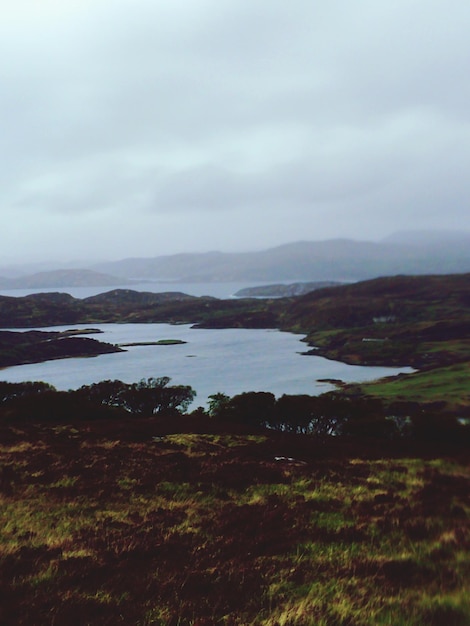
(222, 360)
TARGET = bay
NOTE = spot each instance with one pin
(223, 360)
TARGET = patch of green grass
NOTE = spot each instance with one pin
(207, 443)
(447, 384)
(38, 521)
(65, 481)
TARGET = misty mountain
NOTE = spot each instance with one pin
(337, 259)
(63, 278)
(17, 270)
(343, 260)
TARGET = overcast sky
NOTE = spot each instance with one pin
(148, 127)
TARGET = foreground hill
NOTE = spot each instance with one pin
(182, 522)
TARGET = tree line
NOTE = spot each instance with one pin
(328, 415)
(109, 398)
(336, 415)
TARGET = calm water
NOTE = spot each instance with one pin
(229, 360)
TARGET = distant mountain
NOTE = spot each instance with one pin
(16, 270)
(334, 260)
(338, 260)
(63, 278)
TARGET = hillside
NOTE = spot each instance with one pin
(388, 320)
(125, 305)
(181, 521)
(283, 290)
(419, 321)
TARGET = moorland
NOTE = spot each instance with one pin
(350, 509)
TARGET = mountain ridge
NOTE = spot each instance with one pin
(340, 259)
(335, 259)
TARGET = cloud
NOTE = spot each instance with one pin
(156, 111)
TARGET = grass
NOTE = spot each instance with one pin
(155, 528)
(445, 384)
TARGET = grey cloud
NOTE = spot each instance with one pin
(153, 108)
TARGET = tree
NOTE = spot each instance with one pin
(105, 392)
(11, 391)
(295, 413)
(219, 405)
(255, 408)
(153, 395)
(315, 415)
(146, 397)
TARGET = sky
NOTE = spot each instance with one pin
(149, 127)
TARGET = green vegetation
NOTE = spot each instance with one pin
(448, 386)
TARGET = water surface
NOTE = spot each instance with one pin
(221, 360)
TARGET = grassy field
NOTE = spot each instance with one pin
(134, 523)
(447, 385)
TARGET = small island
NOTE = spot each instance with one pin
(160, 342)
